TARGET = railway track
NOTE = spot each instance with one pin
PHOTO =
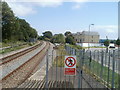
(40, 84)
(21, 73)
(9, 58)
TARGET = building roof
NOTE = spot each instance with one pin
(90, 33)
(78, 33)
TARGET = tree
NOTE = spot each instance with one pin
(0, 21)
(70, 39)
(58, 38)
(113, 41)
(26, 31)
(118, 42)
(67, 33)
(40, 37)
(10, 24)
(47, 35)
(106, 43)
(14, 28)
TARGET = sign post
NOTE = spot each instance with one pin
(70, 65)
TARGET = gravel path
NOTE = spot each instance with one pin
(11, 66)
(41, 70)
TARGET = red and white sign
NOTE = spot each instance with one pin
(70, 65)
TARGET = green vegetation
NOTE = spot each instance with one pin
(69, 38)
(61, 55)
(26, 32)
(95, 69)
(118, 42)
(10, 49)
(14, 28)
(58, 38)
(47, 35)
(106, 43)
(67, 33)
(13, 48)
(96, 47)
(113, 41)
(59, 61)
(75, 46)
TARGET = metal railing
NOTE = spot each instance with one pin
(100, 64)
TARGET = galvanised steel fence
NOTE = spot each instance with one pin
(101, 64)
(55, 70)
(98, 68)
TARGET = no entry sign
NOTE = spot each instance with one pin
(70, 65)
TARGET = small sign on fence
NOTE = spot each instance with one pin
(70, 65)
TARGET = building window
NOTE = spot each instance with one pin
(80, 40)
(76, 40)
(83, 40)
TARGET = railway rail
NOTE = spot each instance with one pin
(21, 73)
(18, 54)
(40, 84)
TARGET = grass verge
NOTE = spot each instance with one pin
(7, 50)
(95, 69)
(59, 61)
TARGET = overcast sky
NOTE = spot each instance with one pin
(72, 15)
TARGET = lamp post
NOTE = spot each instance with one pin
(89, 36)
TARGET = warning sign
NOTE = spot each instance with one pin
(70, 65)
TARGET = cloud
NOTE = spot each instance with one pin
(49, 4)
(94, 0)
(27, 7)
(78, 1)
(62, 0)
(21, 10)
(77, 6)
(107, 30)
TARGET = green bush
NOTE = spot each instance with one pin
(75, 46)
(30, 44)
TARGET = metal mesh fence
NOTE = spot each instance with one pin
(95, 68)
(100, 64)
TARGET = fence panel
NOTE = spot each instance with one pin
(101, 65)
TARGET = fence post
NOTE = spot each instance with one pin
(108, 70)
(113, 69)
(105, 64)
(90, 59)
(56, 68)
(101, 72)
(46, 70)
(79, 83)
(61, 62)
(119, 67)
(82, 64)
(52, 64)
(98, 59)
